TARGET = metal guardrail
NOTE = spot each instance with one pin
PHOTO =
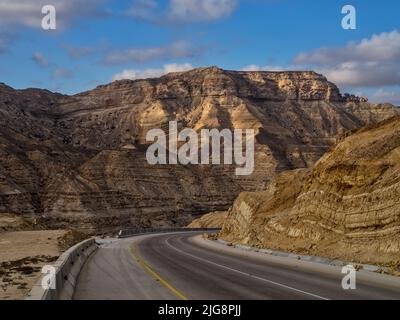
(138, 231)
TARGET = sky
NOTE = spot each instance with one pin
(99, 41)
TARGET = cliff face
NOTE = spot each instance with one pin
(347, 206)
(82, 158)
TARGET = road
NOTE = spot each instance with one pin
(180, 266)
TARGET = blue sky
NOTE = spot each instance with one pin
(97, 41)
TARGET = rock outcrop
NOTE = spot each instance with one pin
(347, 206)
(210, 220)
(81, 159)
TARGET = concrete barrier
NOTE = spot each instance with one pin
(135, 232)
(68, 266)
(70, 263)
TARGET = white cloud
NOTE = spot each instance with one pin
(255, 67)
(143, 9)
(363, 74)
(179, 49)
(40, 59)
(56, 72)
(28, 13)
(134, 74)
(382, 47)
(371, 62)
(80, 52)
(382, 96)
(61, 73)
(195, 10)
(183, 11)
(252, 67)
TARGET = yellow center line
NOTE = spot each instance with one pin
(154, 274)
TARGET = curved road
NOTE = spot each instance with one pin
(184, 266)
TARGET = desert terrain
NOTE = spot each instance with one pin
(24, 249)
(325, 179)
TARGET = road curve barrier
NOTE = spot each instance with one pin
(138, 231)
(67, 269)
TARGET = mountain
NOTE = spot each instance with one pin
(80, 160)
(347, 206)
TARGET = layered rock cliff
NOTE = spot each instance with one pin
(347, 206)
(81, 159)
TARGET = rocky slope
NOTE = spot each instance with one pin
(210, 220)
(347, 206)
(81, 159)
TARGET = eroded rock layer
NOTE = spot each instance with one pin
(347, 206)
(81, 159)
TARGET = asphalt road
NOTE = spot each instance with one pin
(184, 266)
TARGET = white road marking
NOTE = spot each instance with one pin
(247, 274)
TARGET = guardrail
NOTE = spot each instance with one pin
(67, 269)
(135, 232)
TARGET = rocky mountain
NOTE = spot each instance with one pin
(347, 206)
(210, 220)
(80, 159)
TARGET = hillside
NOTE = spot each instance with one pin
(347, 206)
(80, 160)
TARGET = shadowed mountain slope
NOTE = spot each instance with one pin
(81, 159)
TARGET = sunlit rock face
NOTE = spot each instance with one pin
(81, 159)
(347, 206)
